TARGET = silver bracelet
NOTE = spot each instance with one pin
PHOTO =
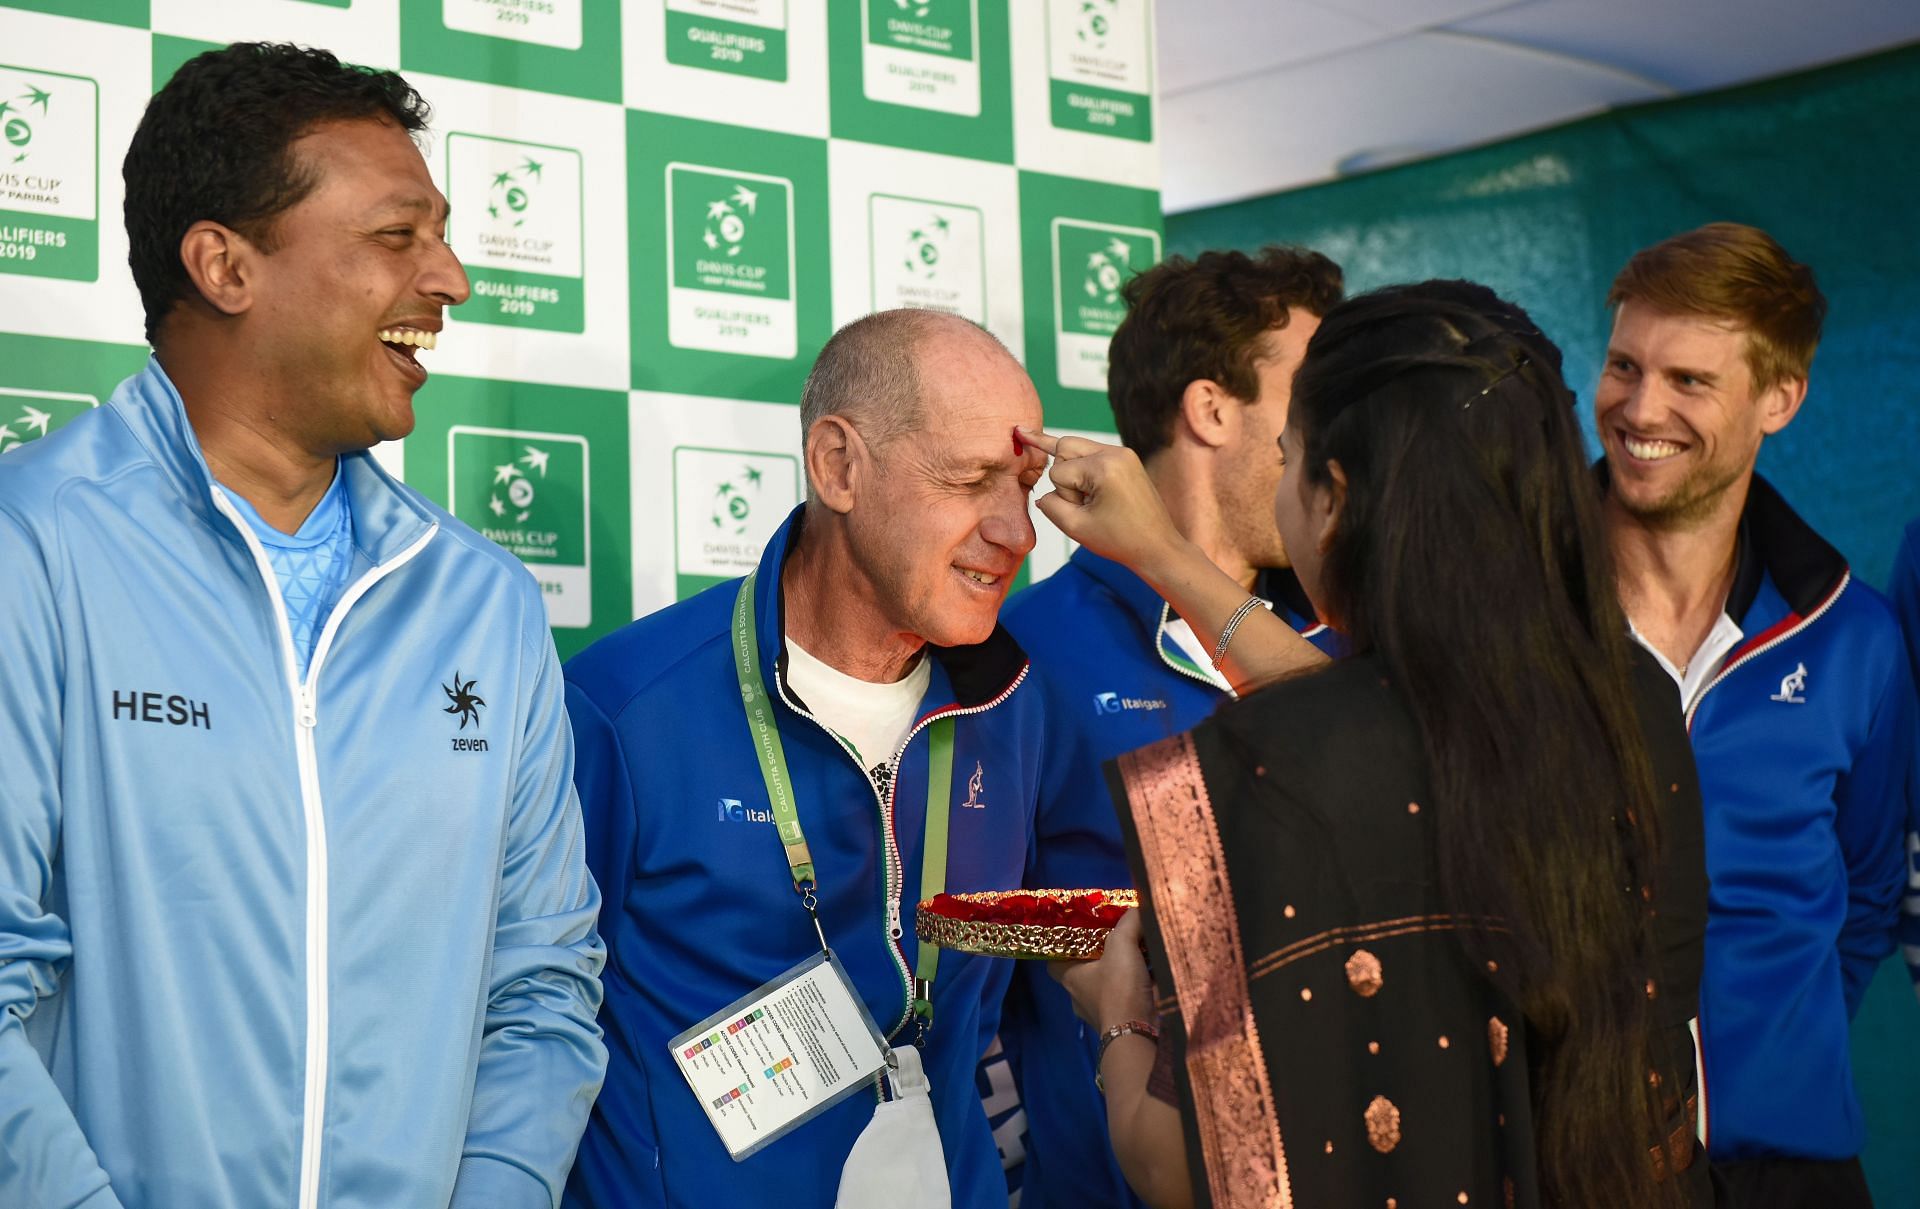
(1233, 623)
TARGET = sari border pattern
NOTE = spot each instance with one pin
(1238, 1119)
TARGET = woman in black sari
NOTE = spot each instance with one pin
(1426, 923)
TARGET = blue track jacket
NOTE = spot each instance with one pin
(700, 907)
(1906, 601)
(265, 942)
(1803, 741)
(1111, 681)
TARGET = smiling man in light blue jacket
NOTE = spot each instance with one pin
(293, 906)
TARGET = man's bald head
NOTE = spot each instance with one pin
(869, 371)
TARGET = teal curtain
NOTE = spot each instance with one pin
(1826, 160)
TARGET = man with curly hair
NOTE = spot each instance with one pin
(293, 904)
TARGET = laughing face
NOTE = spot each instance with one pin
(355, 288)
(1678, 415)
(945, 526)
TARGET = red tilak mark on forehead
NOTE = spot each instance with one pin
(1019, 446)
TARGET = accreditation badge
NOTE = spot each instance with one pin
(782, 1055)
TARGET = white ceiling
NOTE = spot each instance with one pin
(1258, 96)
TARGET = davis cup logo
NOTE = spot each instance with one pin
(727, 221)
(555, 23)
(519, 491)
(518, 227)
(730, 262)
(921, 53)
(928, 254)
(726, 504)
(15, 123)
(1096, 23)
(1107, 268)
(1100, 63)
(733, 501)
(926, 244)
(49, 178)
(529, 493)
(511, 193)
(1092, 263)
(740, 37)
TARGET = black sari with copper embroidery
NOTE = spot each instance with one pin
(1331, 1041)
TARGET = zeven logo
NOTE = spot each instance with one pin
(467, 705)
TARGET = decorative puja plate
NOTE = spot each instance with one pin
(1042, 925)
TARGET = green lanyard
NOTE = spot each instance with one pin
(786, 816)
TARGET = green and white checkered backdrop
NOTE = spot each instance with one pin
(665, 208)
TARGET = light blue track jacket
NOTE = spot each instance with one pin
(264, 942)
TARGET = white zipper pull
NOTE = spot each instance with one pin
(309, 716)
(893, 917)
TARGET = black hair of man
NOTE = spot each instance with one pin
(216, 143)
(1203, 319)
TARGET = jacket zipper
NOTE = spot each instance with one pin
(306, 719)
(896, 873)
(896, 884)
(1160, 649)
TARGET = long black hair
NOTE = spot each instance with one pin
(1469, 557)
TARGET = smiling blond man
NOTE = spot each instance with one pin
(293, 909)
(1794, 687)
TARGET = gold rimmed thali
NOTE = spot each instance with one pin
(1032, 941)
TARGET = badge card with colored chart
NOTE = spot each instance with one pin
(773, 1060)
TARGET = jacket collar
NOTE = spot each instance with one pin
(1277, 584)
(1142, 601)
(386, 517)
(1774, 544)
(978, 675)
